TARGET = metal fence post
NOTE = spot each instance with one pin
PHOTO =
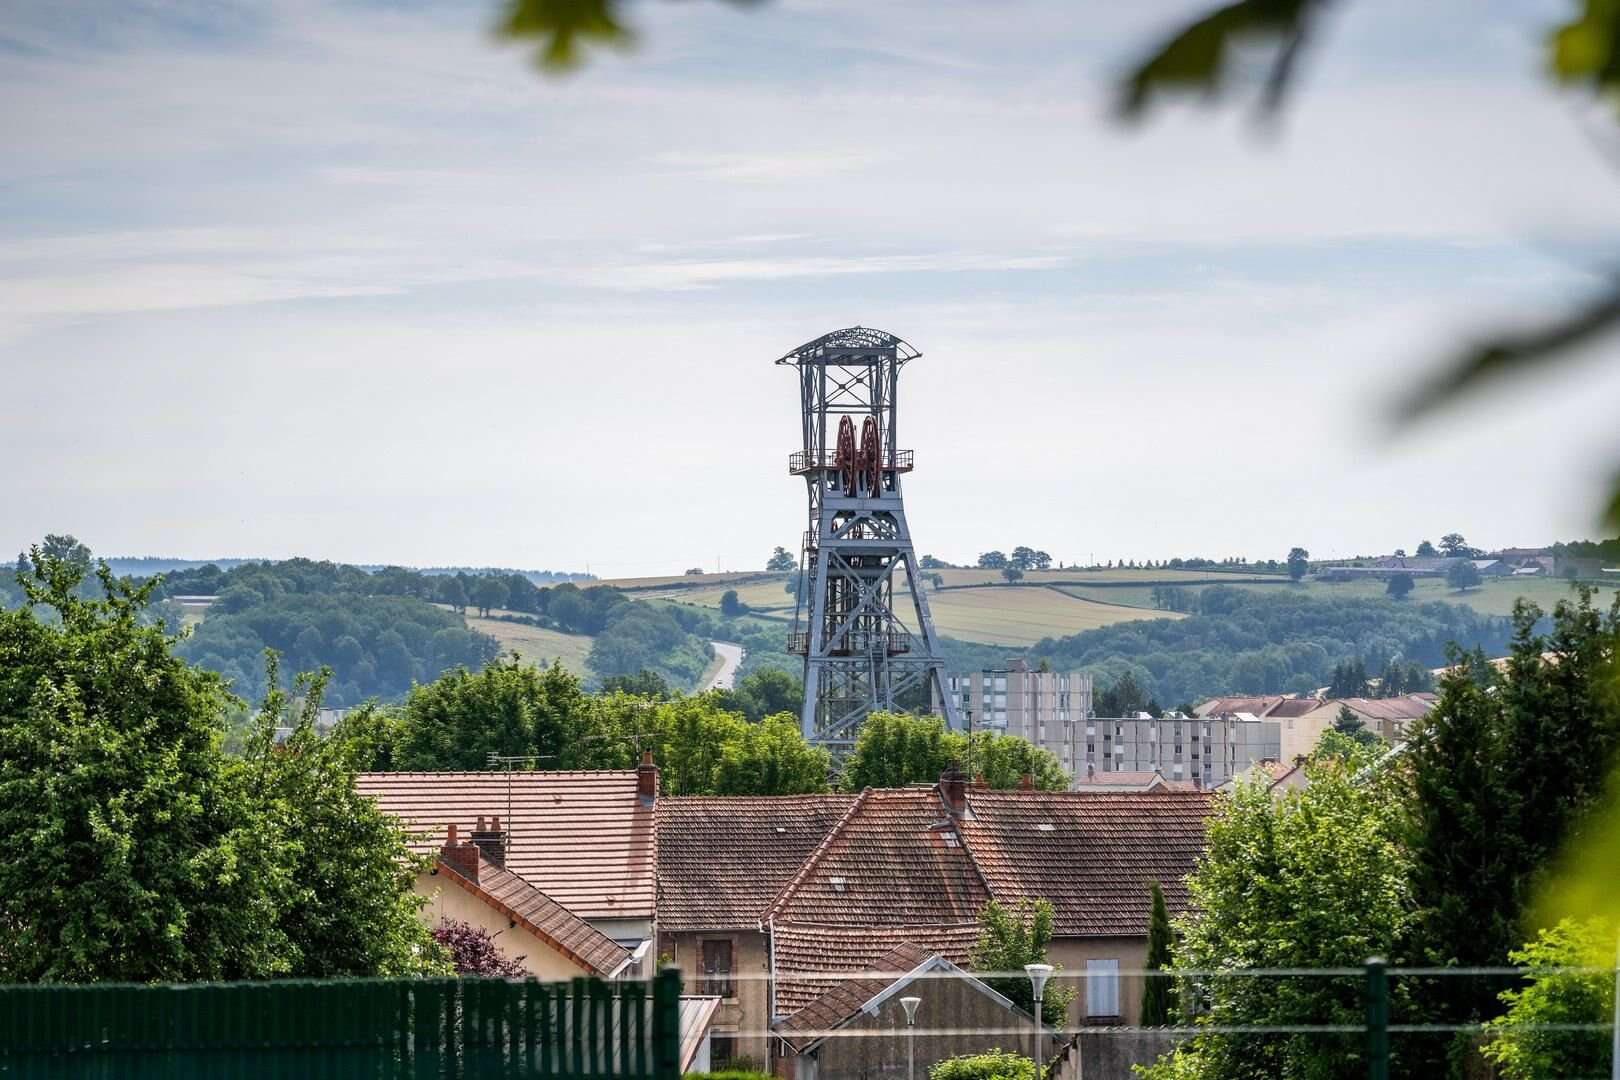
(666, 1025)
(1377, 1019)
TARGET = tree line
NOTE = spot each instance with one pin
(1247, 641)
(1444, 857)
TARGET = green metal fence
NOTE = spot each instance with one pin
(420, 1029)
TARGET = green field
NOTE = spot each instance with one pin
(536, 643)
(1082, 578)
(762, 595)
(1022, 615)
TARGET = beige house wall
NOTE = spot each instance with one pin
(748, 1009)
(448, 900)
(1301, 733)
(1071, 953)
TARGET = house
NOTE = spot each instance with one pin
(1389, 717)
(1137, 780)
(860, 1027)
(568, 851)
(468, 882)
(770, 899)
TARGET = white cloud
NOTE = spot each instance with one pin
(460, 302)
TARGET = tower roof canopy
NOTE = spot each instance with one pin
(853, 340)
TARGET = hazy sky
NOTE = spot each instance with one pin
(354, 281)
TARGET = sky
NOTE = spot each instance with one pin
(356, 281)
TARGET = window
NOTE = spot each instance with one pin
(1102, 988)
(717, 971)
(722, 1050)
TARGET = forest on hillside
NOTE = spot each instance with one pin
(1242, 641)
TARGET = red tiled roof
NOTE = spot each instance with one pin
(1294, 707)
(896, 859)
(1093, 855)
(797, 948)
(723, 859)
(1259, 706)
(844, 999)
(584, 837)
(1405, 707)
(542, 916)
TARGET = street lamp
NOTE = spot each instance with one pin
(910, 1005)
(1038, 974)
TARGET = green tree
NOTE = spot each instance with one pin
(1425, 550)
(347, 907)
(1453, 546)
(1541, 1036)
(490, 592)
(730, 606)
(1022, 558)
(1299, 561)
(895, 749)
(1158, 992)
(1125, 696)
(762, 693)
(370, 736)
(995, 1064)
(1012, 574)
(67, 548)
(1009, 938)
(509, 708)
(1399, 585)
(1004, 760)
(452, 591)
(1501, 770)
(1463, 575)
(772, 758)
(128, 848)
(992, 560)
(1349, 680)
(1351, 726)
(781, 560)
(1306, 878)
(644, 683)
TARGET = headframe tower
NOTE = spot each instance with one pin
(860, 652)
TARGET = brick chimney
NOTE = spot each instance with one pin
(1026, 782)
(647, 779)
(979, 783)
(953, 791)
(460, 856)
(491, 841)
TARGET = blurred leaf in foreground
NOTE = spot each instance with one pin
(563, 27)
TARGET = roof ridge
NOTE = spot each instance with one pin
(797, 879)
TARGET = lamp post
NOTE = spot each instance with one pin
(1038, 974)
(910, 1005)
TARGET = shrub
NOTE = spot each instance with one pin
(991, 1065)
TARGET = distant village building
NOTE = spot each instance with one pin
(1303, 720)
(557, 866)
(1019, 700)
(765, 900)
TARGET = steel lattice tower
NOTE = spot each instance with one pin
(860, 653)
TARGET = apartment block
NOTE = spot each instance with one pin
(1019, 700)
(1206, 751)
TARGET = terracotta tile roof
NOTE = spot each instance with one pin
(797, 948)
(896, 859)
(722, 860)
(542, 916)
(1091, 854)
(1259, 706)
(843, 1000)
(1294, 707)
(584, 837)
(1405, 707)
